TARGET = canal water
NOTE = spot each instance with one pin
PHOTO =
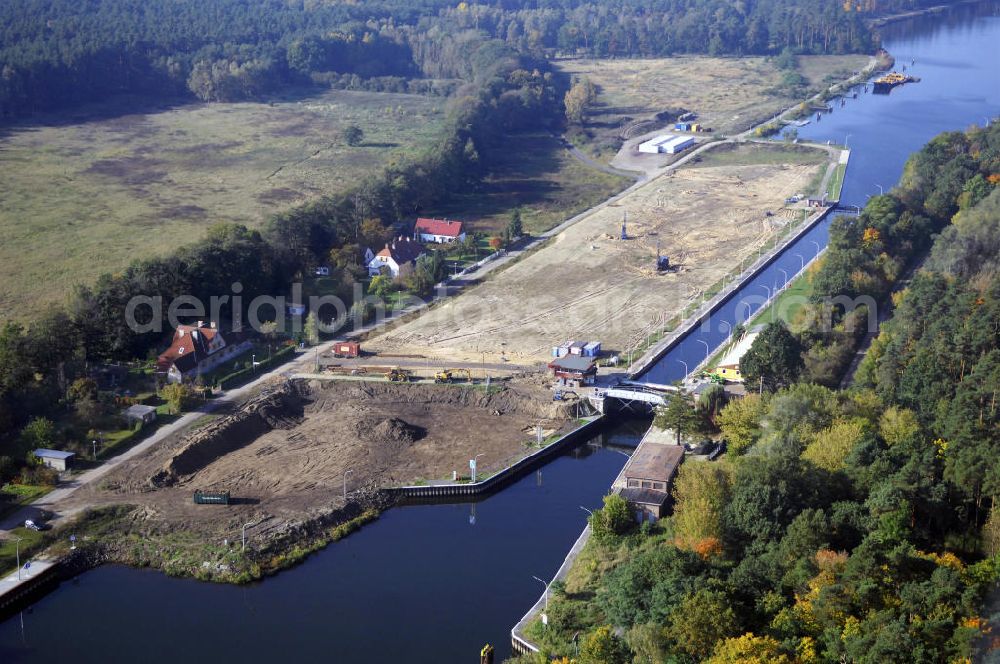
(425, 583)
(434, 583)
(956, 56)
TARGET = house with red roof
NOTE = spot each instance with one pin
(197, 349)
(398, 258)
(440, 231)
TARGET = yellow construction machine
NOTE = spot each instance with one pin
(398, 375)
(450, 375)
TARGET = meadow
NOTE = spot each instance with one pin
(87, 192)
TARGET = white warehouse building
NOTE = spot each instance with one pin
(667, 143)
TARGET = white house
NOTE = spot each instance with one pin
(440, 231)
(398, 257)
(197, 349)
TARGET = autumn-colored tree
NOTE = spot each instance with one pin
(700, 493)
(748, 649)
(602, 647)
(579, 97)
(496, 242)
(177, 395)
(740, 422)
(830, 447)
(702, 619)
(897, 425)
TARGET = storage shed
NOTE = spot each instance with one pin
(667, 143)
(55, 459)
(140, 413)
(346, 349)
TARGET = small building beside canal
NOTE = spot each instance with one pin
(574, 370)
(646, 480)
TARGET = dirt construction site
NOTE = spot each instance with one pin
(283, 454)
(589, 283)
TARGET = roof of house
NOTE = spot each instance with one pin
(190, 345)
(443, 227)
(43, 453)
(654, 461)
(402, 250)
(138, 410)
(739, 349)
(645, 496)
(572, 363)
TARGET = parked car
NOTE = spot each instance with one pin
(31, 525)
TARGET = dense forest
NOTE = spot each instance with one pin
(58, 53)
(856, 525)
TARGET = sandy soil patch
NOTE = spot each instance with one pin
(589, 284)
(285, 462)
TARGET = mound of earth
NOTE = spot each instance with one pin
(389, 432)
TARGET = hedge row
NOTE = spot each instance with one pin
(242, 376)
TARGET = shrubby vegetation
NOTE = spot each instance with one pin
(71, 51)
(854, 525)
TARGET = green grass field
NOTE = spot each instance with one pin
(537, 175)
(88, 192)
(734, 154)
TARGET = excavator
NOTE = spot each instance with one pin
(449, 375)
(398, 375)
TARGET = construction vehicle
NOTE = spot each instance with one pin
(449, 375)
(398, 375)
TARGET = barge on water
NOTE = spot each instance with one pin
(885, 84)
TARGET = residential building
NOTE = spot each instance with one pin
(398, 257)
(728, 367)
(440, 231)
(197, 349)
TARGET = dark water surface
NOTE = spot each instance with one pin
(957, 57)
(423, 584)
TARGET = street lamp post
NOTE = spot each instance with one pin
(17, 550)
(94, 443)
(253, 364)
(880, 192)
(546, 590)
(802, 262)
(818, 248)
(768, 289)
(685, 368)
(346, 473)
(782, 271)
(590, 512)
(708, 349)
(474, 464)
(729, 326)
(244, 534)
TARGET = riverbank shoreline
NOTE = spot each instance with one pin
(100, 542)
(902, 16)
